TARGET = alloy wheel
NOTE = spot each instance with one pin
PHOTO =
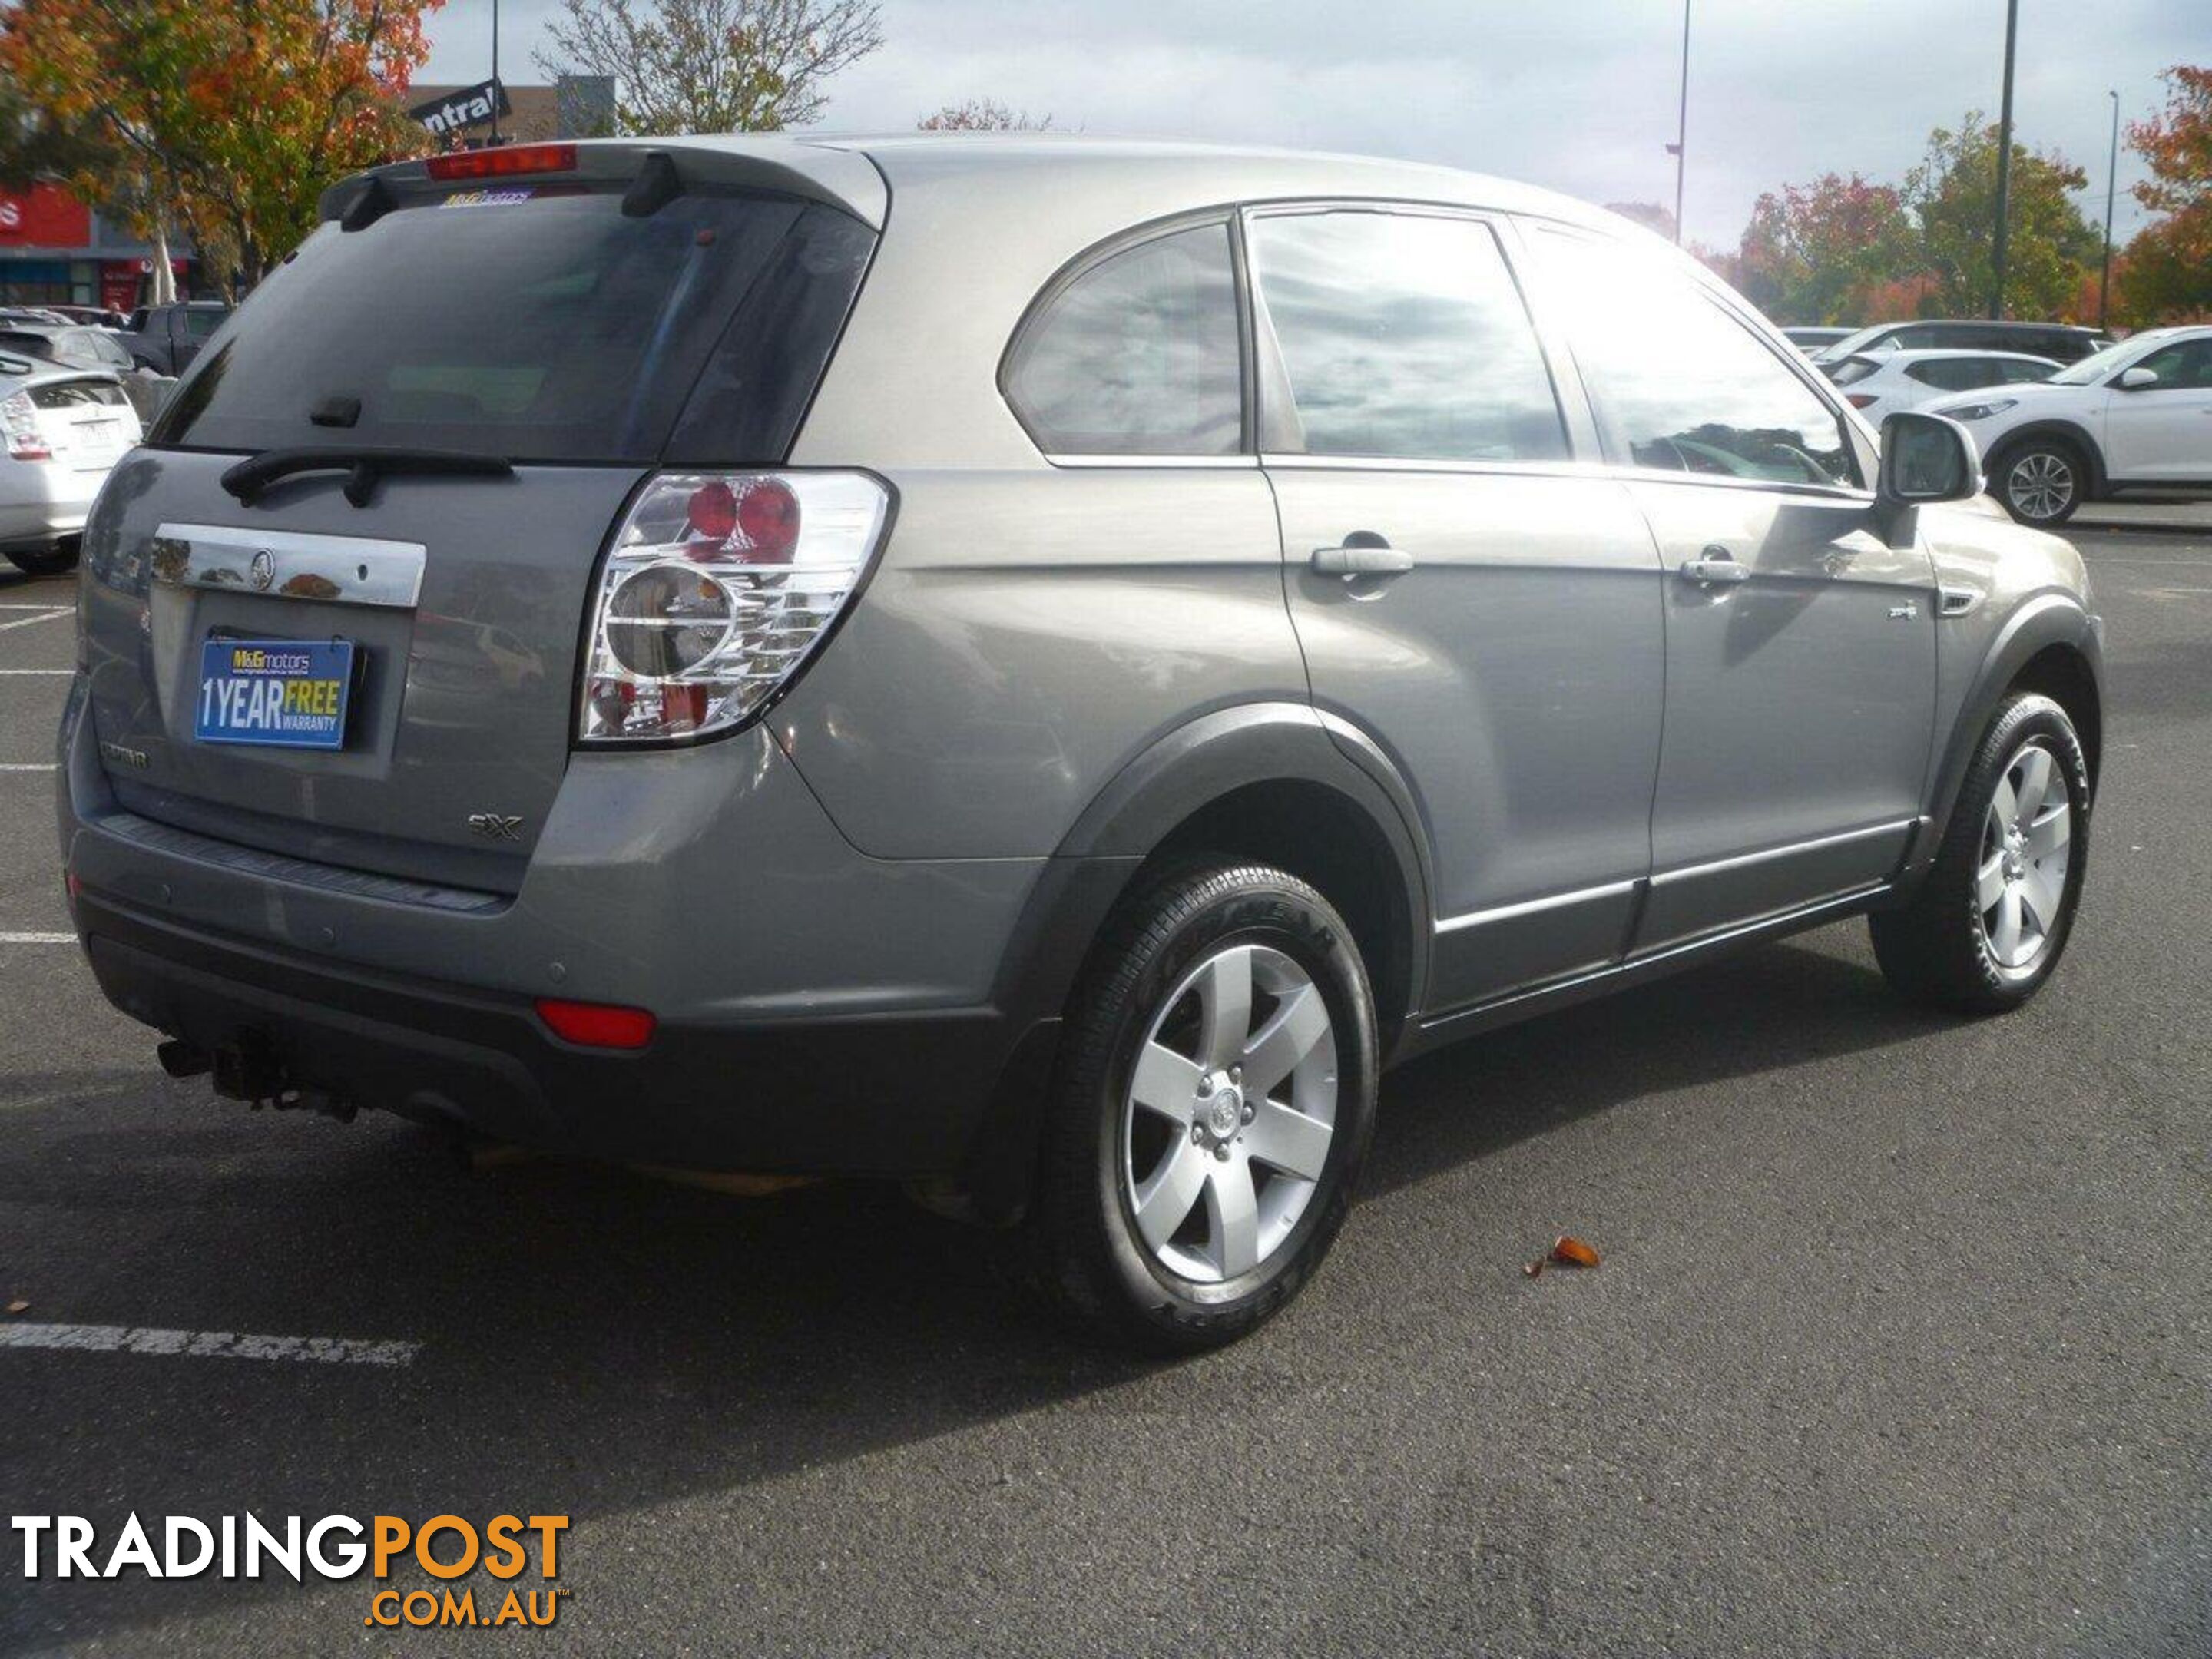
(2041, 484)
(2026, 849)
(1230, 1114)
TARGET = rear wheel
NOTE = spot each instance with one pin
(1214, 1104)
(1991, 918)
(55, 561)
(2042, 481)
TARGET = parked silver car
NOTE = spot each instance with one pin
(64, 428)
(1038, 667)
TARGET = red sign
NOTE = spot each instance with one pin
(44, 216)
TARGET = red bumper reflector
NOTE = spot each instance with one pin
(503, 163)
(595, 1025)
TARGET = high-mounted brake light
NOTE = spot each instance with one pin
(716, 592)
(597, 1025)
(503, 162)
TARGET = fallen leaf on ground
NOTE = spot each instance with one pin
(19, 1307)
(1532, 1268)
(1570, 1252)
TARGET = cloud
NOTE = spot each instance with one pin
(1576, 94)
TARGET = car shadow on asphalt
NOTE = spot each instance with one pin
(596, 1342)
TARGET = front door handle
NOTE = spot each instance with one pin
(1351, 562)
(1715, 564)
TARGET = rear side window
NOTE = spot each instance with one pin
(1853, 370)
(1684, 385)
(1138, 355)
(535, 325)
(1400, 335)
(199, 325)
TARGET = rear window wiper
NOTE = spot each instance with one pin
(364, 466)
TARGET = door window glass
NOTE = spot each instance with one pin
(2186, 365)
(1687, 387)
(1402, 336)
(1138, 355)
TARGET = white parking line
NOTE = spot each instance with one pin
(28, 766)
(48, 605)
(25, 622)
(208, 1344)
(36, 670)
(38, 938)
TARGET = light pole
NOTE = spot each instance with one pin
(2004, 165)
(1681, 124)
(494, 74)
(2111, 190)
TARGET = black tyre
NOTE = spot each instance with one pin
(2041, 481)
(55, 561)
(1213, 1103)
(1991, 920)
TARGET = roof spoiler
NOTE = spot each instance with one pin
(661, 167)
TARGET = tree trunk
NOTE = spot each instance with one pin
(164, 289)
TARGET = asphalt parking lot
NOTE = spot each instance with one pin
(1902, 1343)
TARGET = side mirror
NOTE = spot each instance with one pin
(1924, 457)
(2135, 379)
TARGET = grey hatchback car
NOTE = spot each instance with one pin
(1034, 667)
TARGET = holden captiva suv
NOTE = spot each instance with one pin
(1033, 667)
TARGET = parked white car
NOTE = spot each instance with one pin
(64, 429)
(2136, 415)
(1881, 383)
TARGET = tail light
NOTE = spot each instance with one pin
(1861, 399)
(717, 588)
(19, 420)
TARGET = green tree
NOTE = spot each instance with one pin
(712, 65)
(2169, 263)
(1953, 196)
(1812, 253)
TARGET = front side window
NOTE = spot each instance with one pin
(2186, 365)
(1400, 335)
(1138, 356)
(1684, 385)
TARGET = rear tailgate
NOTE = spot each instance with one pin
(578, 340)
(462, 601)
(87, 423)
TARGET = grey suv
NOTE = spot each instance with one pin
(1034, 667)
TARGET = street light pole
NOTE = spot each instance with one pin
(2004, 165)
(494, 74)
(1681, 124)
(2112, 192)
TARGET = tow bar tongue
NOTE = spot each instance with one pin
(245, 1069)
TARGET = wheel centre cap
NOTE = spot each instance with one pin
(1224, 1111)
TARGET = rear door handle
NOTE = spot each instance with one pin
(1715, 564)
(1352, 562)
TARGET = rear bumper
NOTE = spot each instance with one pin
(818, 1010)
(869, 1096)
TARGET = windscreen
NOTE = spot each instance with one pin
(531, 323)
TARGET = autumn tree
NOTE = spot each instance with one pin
(1812, 253)
(983, 115)
(712, 65)
(2169, 262)
(225, 117)
(1953, 196)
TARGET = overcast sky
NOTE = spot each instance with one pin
(1577, 95)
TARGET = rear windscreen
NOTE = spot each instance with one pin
(535, 324)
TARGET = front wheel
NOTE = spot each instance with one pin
(2041, 482)
(1992, 916)
(1214, 1104)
